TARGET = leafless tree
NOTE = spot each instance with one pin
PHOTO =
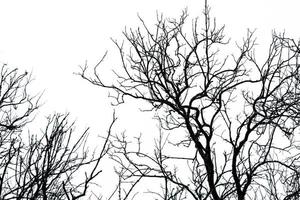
(229, 124)
(53, 164)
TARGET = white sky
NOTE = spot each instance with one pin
(52, 38)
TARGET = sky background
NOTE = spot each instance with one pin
(52, 38)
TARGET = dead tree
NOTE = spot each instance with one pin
(53, 164)
(237, 117)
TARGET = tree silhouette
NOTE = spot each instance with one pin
(43, 166)
(229, 123)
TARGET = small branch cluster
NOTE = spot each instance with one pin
(45, 165)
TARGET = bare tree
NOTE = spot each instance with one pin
(237, 118)
(53, 164)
